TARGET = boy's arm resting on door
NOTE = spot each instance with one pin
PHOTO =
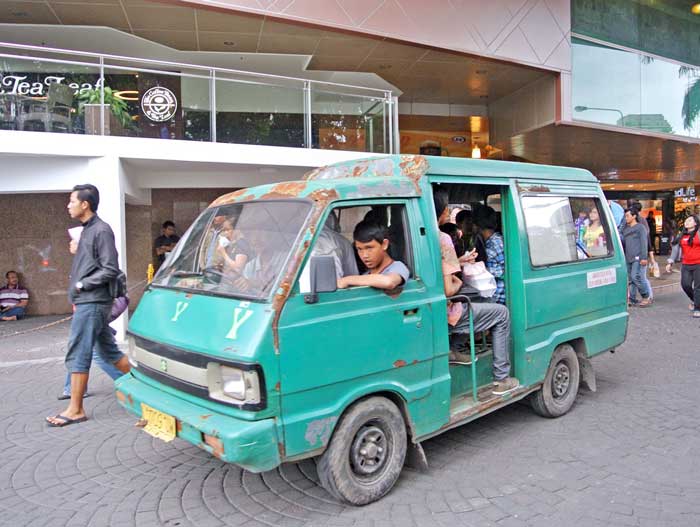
(379, 281)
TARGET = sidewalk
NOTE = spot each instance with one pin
(666, 283)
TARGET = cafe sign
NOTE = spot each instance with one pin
(38, 87)
(685, 194)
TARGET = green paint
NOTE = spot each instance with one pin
(318, 359)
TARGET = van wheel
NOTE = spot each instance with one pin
(560, 387)
(366, 454)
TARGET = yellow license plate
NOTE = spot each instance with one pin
(159, 425)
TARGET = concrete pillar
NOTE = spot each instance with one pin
(105, 174)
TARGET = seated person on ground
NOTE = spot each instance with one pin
(332, 243)
(383, 272)
(493, 317)
(13, 298)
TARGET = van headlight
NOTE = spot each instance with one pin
(131, 351)
(229, 384)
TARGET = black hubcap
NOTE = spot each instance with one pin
(369, 450)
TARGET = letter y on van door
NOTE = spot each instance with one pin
(240, 315)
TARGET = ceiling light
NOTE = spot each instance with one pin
(695, 9)
(476, 152)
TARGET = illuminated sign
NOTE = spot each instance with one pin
(38, 87)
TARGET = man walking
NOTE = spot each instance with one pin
(95, 265)
(635, 243)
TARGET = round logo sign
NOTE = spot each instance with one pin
(159, 104)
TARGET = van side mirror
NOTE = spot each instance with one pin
(323, 278)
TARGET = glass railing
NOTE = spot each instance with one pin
(632, 90)
(53, 90)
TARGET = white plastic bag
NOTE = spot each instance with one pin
(655, 271)
(477, 277)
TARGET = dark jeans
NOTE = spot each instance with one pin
(13, 312)
(690, 282)
(496, 318)
(89, 330)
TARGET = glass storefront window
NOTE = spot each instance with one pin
(148, 98)
(44, 96)
(253, 112)
(348, 122)
(633, 90)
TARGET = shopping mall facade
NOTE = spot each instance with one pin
(166, 104)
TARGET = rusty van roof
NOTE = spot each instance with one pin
(396, 176)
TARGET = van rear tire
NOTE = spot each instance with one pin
(560, 386)
(366, 454)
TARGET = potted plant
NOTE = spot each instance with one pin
(117, 120)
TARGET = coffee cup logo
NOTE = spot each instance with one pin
(159, 104)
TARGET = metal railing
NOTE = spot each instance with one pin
(60, 90)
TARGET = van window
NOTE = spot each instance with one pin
(238, 249)
(562, 229)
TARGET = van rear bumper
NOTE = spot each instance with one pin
(253, 445)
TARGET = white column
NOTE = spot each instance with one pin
(106, 176)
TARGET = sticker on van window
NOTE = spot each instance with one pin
(240, 315)
(601, 278)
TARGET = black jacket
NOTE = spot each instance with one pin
(95, 264)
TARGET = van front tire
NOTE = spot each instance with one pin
(366, 454)
(560, 387)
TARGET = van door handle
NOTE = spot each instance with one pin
(410, 312)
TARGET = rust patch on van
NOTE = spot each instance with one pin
(205, 417)
(120, 396)
(131, 400)
(277, 386)
(324, 195)
(533, 188)
(399, 363)
(281, 450)
(319, 430)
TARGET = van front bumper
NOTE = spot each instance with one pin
(253, 445)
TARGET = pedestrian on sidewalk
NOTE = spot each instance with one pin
(687, 250)
(635, 243)
(95, 267)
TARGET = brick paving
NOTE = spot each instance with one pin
(624, 456)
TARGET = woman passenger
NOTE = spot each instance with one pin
(594, 235)
(233, 250)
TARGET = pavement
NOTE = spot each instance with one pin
(624, 456)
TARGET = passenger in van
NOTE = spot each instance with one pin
(233, 250)
(383, 272)
(495, 253)
(332, 243)
(472, 236)
(594, 234)
(487, 316)
(455, 234)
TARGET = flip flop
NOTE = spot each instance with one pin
(65, 421)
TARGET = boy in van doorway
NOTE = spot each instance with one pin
(383, 272)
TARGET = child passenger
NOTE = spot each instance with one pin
(383, 272)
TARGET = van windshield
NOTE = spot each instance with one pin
(240, 249)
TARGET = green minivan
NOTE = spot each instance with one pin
(244, 346)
